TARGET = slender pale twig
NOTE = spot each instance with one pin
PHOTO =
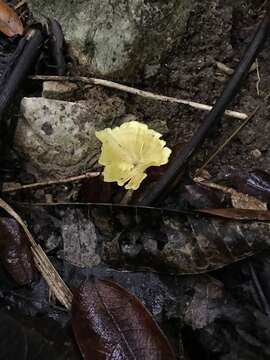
(134, 91)
(259, 289)
(41, 184)
(259, 78)
(20, 4)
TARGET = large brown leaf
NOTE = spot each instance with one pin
(111, 323)
(10, 23)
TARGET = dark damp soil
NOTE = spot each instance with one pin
(218, 31)
(220, 316)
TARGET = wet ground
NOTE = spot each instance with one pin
(219, 317)
(218, 31)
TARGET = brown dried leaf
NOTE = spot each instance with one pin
(238, 199)
(254, 182)
(239, 214)
(111, 323)
(10, 23)
(243, 201)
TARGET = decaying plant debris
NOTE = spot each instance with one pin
(133, 278)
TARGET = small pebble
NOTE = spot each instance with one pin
(49, 198)
(256, 153)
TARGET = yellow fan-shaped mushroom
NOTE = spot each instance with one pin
(127, 151)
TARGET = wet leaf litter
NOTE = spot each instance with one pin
(10, 23)
(122, 243)
(102, 327)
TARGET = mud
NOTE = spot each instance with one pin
(218, 31)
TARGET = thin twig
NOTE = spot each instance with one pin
(176, 167)
(241, 214)
(112, 206)
(259, 289)
(41, 184)
(262, 6)
(228, 140)
(134, 91)
(42, 262)
(20, 4)
(259, 78)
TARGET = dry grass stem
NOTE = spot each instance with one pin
(42, 262)
(259, 78)
(228, 140)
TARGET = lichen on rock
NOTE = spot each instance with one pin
(57, 138)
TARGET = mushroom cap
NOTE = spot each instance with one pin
(128, 150)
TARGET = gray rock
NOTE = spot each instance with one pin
(57, 138)
(119, 38)
(80, 240)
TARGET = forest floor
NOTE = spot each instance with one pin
(223, 315)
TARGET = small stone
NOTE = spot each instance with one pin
(59, 90)
(49, 198)
(80, 240)
(57, 138)
(256, 153)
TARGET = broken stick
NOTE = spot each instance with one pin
(138, 92)
(42, 184)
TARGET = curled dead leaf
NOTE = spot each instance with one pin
(10, 23)
(238, 199)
